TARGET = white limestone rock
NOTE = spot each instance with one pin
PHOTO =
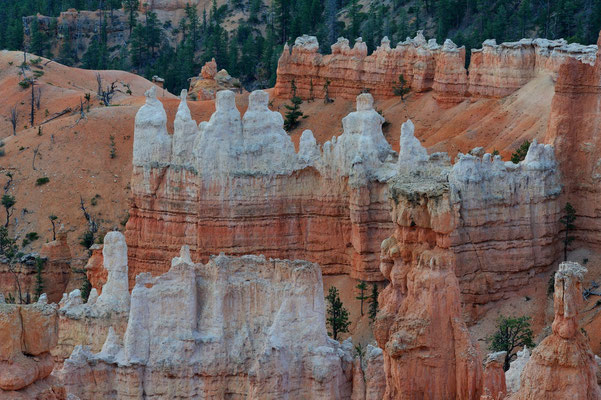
(307, 43)
(412, 155)
(362, 137)
(43, 299)
(115, 292)
(220, 143)
(513, 374)
(152, 143)
(185, 132)
(309, 152)
(267, 147)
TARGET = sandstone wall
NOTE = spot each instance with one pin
(236, 185)
(243, 327)
(27, 334)
(574, 127)
(55, 274)
(494, 71)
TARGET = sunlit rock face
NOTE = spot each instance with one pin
(562, 365)
(245, 327)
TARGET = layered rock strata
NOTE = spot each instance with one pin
(56, 256)
(89, 323)
(235, 184)
(562, 366)
(428, 353)
(27, 334)
(573, 129)
(494, 71)
(244, 327)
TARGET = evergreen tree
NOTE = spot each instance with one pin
(362, 286)
(38, 44)
(512, 334)
(520, 153)
(39, 279)
(373, 303)
(131, 7)
(294, 112)
(568, 221)
(337, 317)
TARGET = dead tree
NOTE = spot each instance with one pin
(8, 182)
(32, 100)
(99, 81)
(108, 93)
(38, 99)
(14, 116)
(93, 227)
(35, 153)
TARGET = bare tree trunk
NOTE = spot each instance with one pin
(32, 100)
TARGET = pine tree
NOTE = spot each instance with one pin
(131, 7)
(373, 302)
(401, 88)
(520, 153)
(337, 317)
(568, 221)
(512, 334)
(39, 279)
(362, 286)
(38, 44)
(294, 112)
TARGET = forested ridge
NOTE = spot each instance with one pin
(250, 48)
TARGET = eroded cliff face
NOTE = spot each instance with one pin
(574, 128)
(236, 185)
(243, 327)
(562, 366)
(494, 70)
(89, 324)
(27, 334)
(56, 272)
(428, 353)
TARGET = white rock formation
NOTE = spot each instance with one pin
(220, 141)
(267, 146)
(115, 292)
(152, 143)
(362, 137)
(247, 325)
(412, 155)
(185, 132)
(512, 375)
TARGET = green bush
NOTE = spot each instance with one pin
(42, 181)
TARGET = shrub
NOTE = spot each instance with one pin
(24, 83)
(42, 181)
(87, 239)
(32, 236)
(520, 153)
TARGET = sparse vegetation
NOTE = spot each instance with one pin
(401, 88)
(337, 315)
(568, 221)
(512, 335)
(373, 302)
(39, 279)
(42, 181)
(87, 239)
(294, 112)
(326, 91)
(8, 202)
(113, 152)
(362, 286)
(520, 153)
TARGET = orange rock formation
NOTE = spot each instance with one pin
(27, 334)
(562, 366)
